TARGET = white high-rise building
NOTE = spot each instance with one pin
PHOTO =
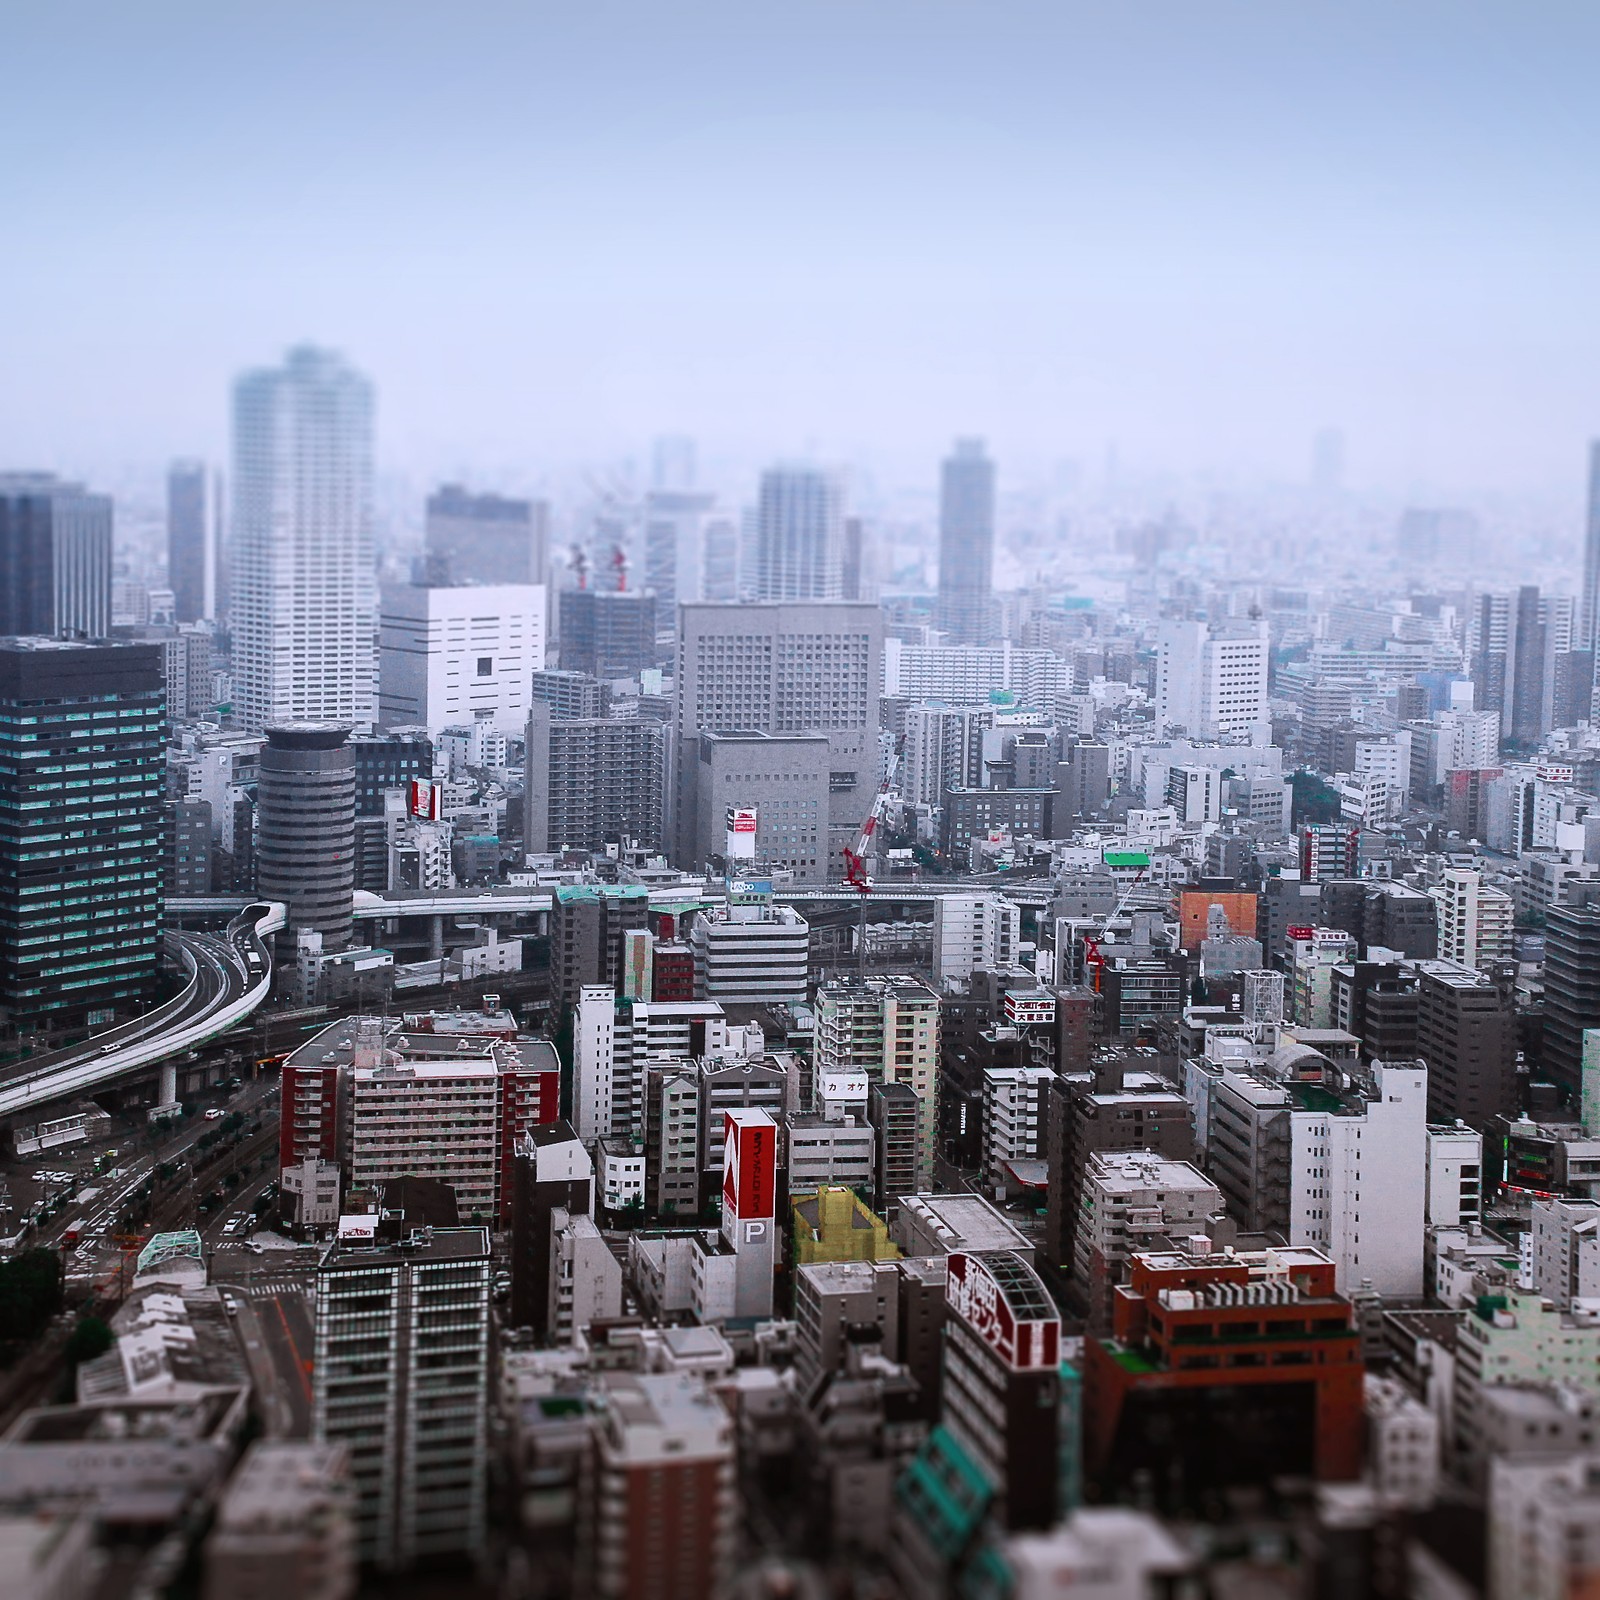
(1358, 1183)
(973, 930)
(1014, 1116)
(612, 1044)
(799, 535)
(450, 655)
(751, 954)
(1212, 681)
(1475, 921)
(301, 572)
(886, 1029)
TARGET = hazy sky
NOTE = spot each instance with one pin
(1199, 229)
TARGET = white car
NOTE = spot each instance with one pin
(214, 1114)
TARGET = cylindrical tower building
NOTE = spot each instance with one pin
(306, 834)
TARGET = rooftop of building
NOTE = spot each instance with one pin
(429, 1246)
(183, 1243)
(167, 1421)
(167, 1341)
(278, 1482)
(1020, 1286)
(1538, 1405)
(1118, 1170)
(962, 1222)
(847, 1277)
(381, 1042)
(662, 1416)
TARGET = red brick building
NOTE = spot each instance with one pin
(1226, 1368)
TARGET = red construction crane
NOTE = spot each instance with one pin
(1092, 956)
(578, 562)
(855, 861)
(619, 565)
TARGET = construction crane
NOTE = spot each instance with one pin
(578, 562)
(1092, 954)
(619, 565)
(855, 861)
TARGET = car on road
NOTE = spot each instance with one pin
(106, 1049)
(214, 1113)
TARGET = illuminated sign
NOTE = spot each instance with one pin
(425, 800)
(973, 1292)
(750, 1166)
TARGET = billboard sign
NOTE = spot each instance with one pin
(741, 833)
(425, 801)
(1023, 1007)
(973, 1292)
(749, 1166)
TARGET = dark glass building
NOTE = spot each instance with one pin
(82, 775)
(55, 558)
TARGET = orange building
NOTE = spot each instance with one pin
(1223, 1369)
(1193, 904)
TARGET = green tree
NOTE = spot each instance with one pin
(90, 1338)
(1315, 800)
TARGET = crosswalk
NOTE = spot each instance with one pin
(271, 1288)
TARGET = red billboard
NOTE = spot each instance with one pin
(976, 1295)
(425, 800)
(750, 1166)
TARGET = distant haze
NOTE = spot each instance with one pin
(1195, 232)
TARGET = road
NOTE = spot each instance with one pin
(229, 974)
(272, 1295)
(96, 1258)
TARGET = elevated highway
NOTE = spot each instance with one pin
(228, 975)
(468, 903)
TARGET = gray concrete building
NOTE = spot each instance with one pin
(593, 781)
(306, 809)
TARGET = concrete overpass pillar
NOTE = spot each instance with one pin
(169, 1083)
(436, 938)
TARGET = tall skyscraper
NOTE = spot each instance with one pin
(482, 538)
(779, 668)
(80, 922)
(1526, 660)
(55, 558)
(302, 574)
(799, 535)
(1571, 982)
(674, 544)
(1589, 610)
(593, 780)
(187, 546)
(966, 544)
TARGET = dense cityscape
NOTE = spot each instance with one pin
(799, 803)
(678, 1062)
